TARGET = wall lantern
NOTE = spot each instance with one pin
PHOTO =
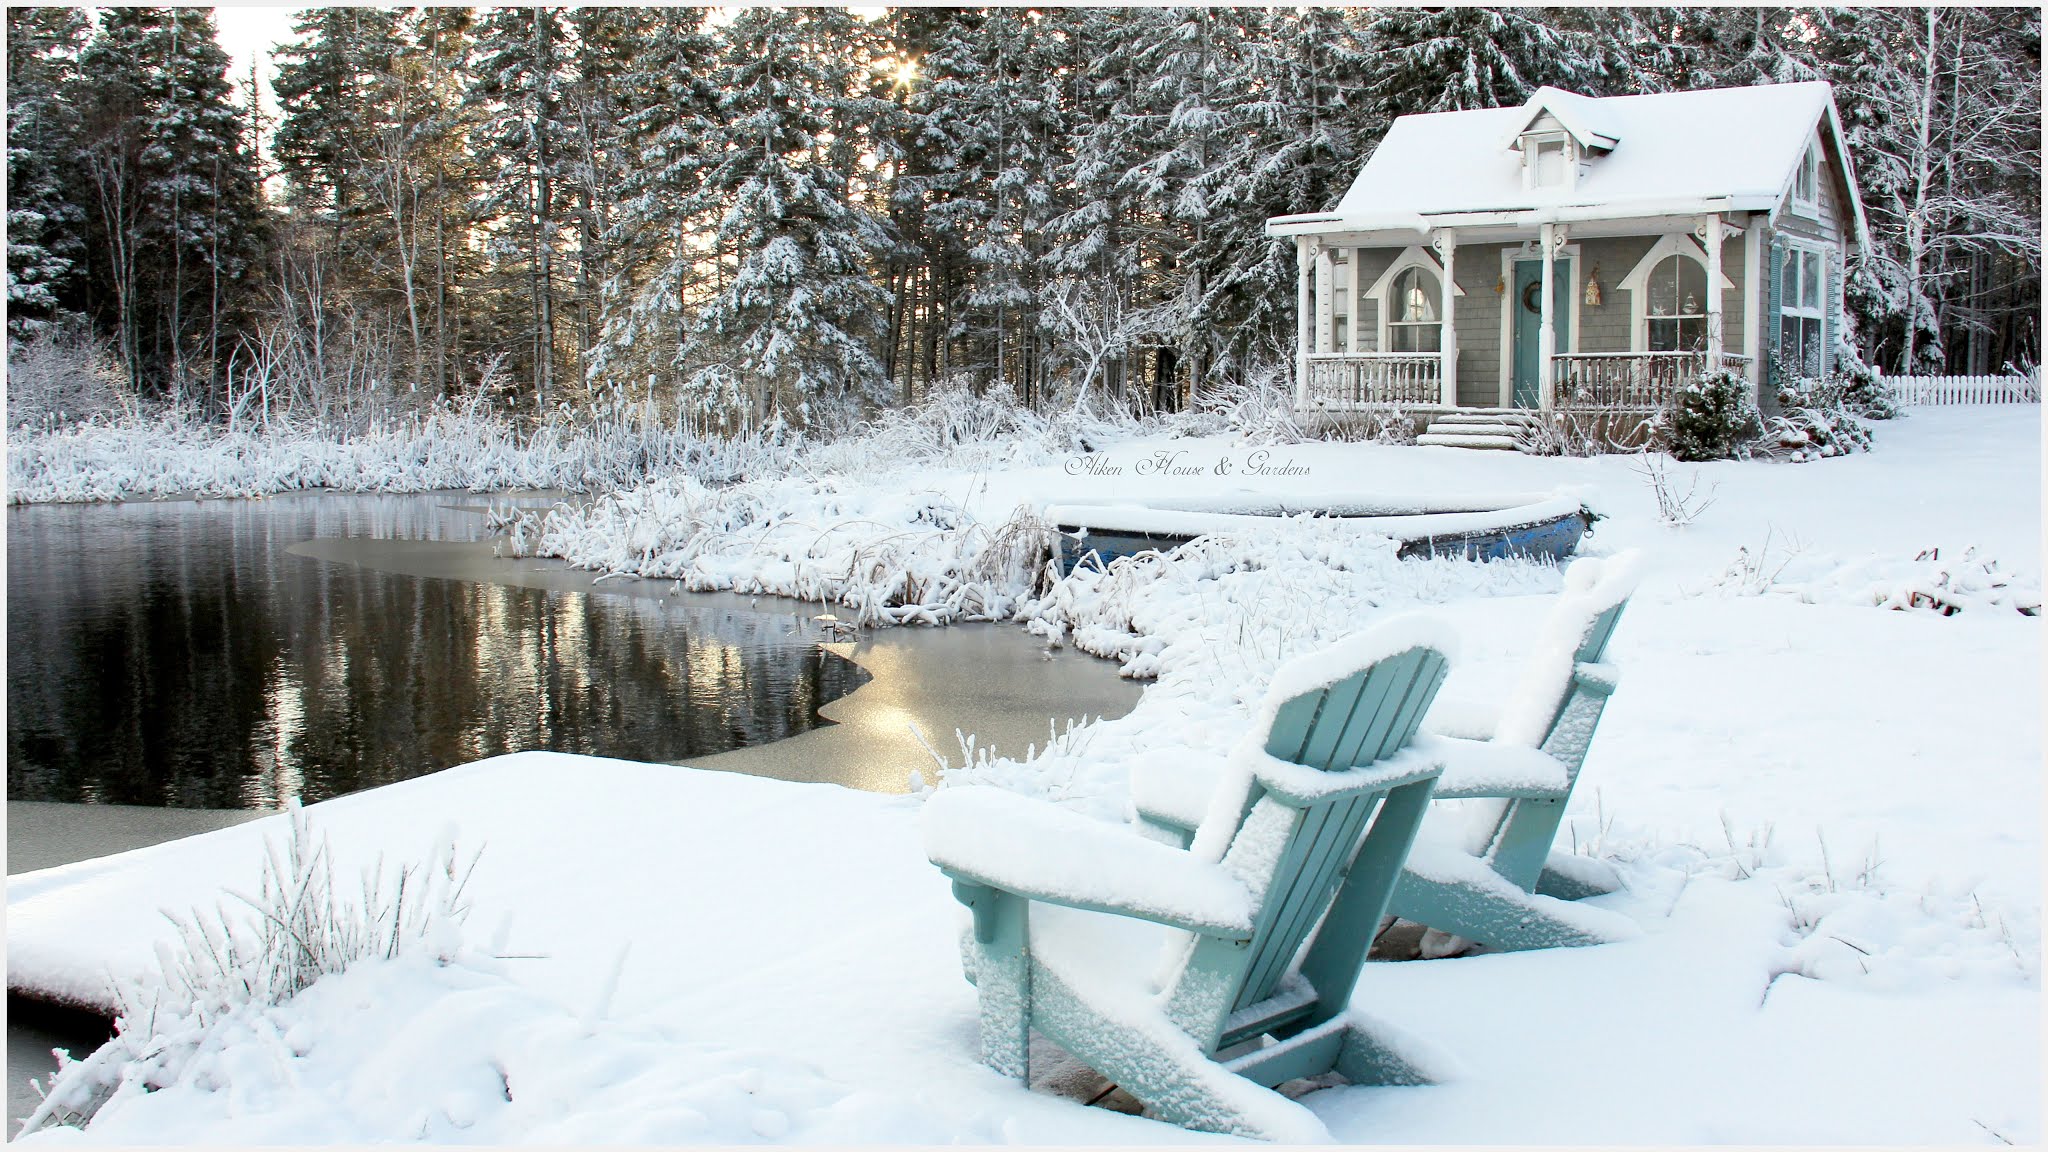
(1500, 286)
(1593, 288)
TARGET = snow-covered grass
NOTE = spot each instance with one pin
(446, 447)
(604, 445)
(1822, 790)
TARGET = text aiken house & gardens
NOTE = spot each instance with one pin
(1686, 231)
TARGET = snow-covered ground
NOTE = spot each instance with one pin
(1828, 812)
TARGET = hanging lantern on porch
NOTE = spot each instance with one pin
(1593, 288)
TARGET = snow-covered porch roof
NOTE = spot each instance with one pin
(1722, 150)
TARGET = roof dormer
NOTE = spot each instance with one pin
(1579, 117)
(1556, 133)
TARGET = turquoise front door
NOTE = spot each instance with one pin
(1528, 306)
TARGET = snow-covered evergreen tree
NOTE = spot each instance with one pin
(178, 220)
(655, 268)
(798, 313)
(1449, 59)
(45, 218)
(524, 152)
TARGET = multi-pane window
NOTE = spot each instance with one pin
(1677, 305)
(1413, 324)
(1806, 185)
(1802, 303)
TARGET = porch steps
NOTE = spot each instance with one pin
(1489, 428)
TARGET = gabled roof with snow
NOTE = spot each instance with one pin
(1586, 118)
(1673, 153)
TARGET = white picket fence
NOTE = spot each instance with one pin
(1918, 390)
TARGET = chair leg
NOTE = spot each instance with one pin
(1001, 975)
(1485, 907)
(1168, 1071)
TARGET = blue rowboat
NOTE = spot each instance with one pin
(1548, 526)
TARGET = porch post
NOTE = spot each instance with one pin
(1446, 241)
(1546, 332)
(1302, 305)
(1752, 315)
(1712, 236)
(1326, 298)
(1356, 305)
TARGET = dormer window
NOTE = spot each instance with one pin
(1547, 160)
(1806, 185)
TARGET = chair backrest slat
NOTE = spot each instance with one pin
(1333, 830)
(1341, 702)
(1362, 718)
(1387, 688)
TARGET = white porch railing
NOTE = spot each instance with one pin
(1344, 380)
(1628, 380)
(1929, 390)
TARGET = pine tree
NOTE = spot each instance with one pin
(524, 151)
(798, 312)
(1452, 59)
(179, 224)
(655, 273)
(45, 220)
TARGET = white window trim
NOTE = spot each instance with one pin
(1828, 281)
(1509, 253)
(1637, 283)
(1531, 147)
(1413, 256)
(1809, 208)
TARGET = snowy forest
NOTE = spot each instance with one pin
(813, 213)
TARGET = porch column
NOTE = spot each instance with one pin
(1546, 331)
(1326, 298)
(1446, 241)
(1711, 235)
(1356, 304)
(1753, 295)
(1302, 304)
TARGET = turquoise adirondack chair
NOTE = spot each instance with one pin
(1198, 979)
(1497, 879)
(1489, 873)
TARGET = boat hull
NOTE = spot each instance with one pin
(1553, 537)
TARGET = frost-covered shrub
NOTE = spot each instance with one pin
(1711, 418)
(59, 377)
(1821, 418)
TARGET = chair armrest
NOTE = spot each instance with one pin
(1483, 768)
(998, 839)
(1462, 717)
(1175, 790)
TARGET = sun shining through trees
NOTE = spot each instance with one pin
(808, 212)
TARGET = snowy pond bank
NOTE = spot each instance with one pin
(1823, 794)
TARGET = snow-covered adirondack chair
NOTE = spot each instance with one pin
(1491, 874)
(1197, 979)
(1488, 872)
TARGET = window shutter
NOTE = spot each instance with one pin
(1774, 314)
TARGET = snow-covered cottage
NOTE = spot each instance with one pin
(1686, 230)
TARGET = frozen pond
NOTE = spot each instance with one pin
(179, 654)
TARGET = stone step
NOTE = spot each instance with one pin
(1498, 417)
(1468, 440)
(1472, 428)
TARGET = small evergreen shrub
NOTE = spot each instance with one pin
(1711, 418)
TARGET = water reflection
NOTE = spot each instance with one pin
(174, 654)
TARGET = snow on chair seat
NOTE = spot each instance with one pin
(1150, 963)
